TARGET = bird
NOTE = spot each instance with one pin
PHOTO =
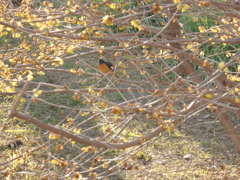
(105, 67)
(16, 3)
(12, 145)
(15, 144)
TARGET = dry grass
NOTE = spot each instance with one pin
(198, 149)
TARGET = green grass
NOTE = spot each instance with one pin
(190, 25)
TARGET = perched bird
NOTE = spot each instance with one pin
(16, 3)
(15, 144)
(12, 145)
(105, 67)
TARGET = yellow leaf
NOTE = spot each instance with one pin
(156, 8)
(84, 34)
(201, 29)
(118, 53)
(101, 49)
(108, 20)
(146, 46)
(55, 162)
(137, 24)
(63, 164)
(73, 70)
(70, 49)
(148, 1)
(105, 165)
(41, 73)
(190, 89)
(76, 96)
(204, 3)
(225, 69)
(9, 89)
(83, 114)
(212, 107)
(221, 65)
(103, 104)
(59, 60)
(121, 28)
(70, 120)
(209, 95)
(77, 176)
(99, 34)
(73, 142)
(122, 65)
(16, 35)
(59, 147)
(170, 128)
(185, 7)
(117, 110)
(124, 72)
(77, 130)
(141, 109)
(236, 90)
(113, 5)
(23, 100)
(132, 134)
(142, 72)
(206, 63)
(88, 149)
(91, 90)
(238, 68)
(237, 100)
(37, 93)
(54, 136)
(30, 77)
(125, 44)
(176, 1)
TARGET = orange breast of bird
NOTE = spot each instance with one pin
(105, 67)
